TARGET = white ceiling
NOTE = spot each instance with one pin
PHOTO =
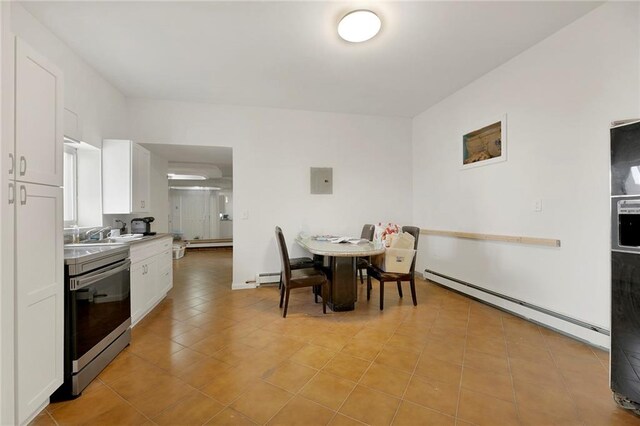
(288, 55)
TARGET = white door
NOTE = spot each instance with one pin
(39, 112)
(39, 279)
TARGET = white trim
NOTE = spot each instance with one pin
(243, 286)
(574, 330)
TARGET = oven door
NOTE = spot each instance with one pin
(100, 306)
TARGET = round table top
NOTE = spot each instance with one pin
(327, 248)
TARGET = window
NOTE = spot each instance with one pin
(70, 191)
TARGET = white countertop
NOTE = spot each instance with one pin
(326, 248)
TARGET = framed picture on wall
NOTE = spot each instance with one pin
(486, 144)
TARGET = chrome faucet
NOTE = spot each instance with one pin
(96, 231)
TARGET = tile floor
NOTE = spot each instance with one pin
(207, 355)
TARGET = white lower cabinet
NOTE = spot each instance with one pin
(151, 275)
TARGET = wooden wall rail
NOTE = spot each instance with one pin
(549, 242)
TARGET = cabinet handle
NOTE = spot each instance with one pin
(12, 193)
(23, 165)
(23, 195)
(12, 163)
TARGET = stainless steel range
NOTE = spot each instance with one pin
(97, 312)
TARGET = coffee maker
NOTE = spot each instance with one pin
(142, 225)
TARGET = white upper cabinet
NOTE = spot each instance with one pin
(126, 169)
(141, 178)
(39, 118)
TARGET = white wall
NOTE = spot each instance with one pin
(100, 106)
(560, 97)
(272, 152)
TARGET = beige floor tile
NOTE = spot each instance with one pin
(290, 376)
(488, 382)
(347, 367)
(328, 390)
(202, 372)
(497, 347)
(440, 396)
(362, 349)
(230, 417)
(162, 395)
(43, 419)
(89, 406)
(398, 359)
(313, 356)
(261, 402)
(486, 362)
(410, 414)
(121, 415)
(229, 384)
(370, 406)
(386, 379)
(196, 408)
(302, 412)
(483, 409)
(342, 420)
(435, 369)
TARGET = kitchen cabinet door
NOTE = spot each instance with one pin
(141, 178)
(138, 293)
(39, 118)
(39, 295)
(126, 177)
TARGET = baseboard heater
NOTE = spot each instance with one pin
(519, 302)
(266, 278)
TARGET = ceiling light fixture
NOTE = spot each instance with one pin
(175, 176)
(359, 25)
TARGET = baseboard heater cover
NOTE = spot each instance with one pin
(268, 278)
(522, 303)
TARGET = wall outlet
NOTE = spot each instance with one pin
(537, 205)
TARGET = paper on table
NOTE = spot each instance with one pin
(350, 240)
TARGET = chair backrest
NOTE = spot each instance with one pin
(415, 231)
(367, 232)
(284, 256)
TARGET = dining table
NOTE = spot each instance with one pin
(338, 261)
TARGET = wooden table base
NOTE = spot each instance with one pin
(342, 284)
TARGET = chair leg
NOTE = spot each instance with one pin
(281, 296)
(368, 287)
(286, 302)
(400, 289)
(413, 292)
(280, 283)
(324, 298)
(361, 276)
(315, 293)
(381, 295)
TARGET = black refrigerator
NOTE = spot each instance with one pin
(625, 264)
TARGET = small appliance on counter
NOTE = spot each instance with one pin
(142, 225)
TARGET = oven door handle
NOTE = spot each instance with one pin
(78, 283)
